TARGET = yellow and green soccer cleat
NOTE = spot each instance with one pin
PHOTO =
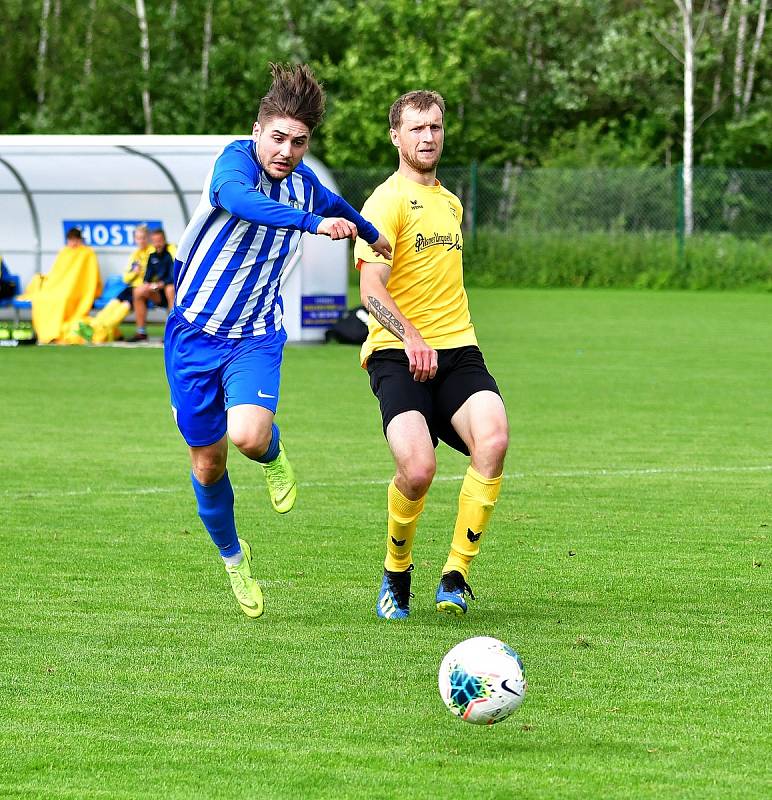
(280, 477)
(245, 587)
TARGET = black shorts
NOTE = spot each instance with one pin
(461, 372)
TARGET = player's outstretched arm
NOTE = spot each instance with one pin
(246, 203)
(335, 205)
(422, 359)
(339, 228)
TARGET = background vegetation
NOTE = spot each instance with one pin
(568, 139)
(535, 82)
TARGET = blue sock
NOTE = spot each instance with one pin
(273, 448)
(215, 507)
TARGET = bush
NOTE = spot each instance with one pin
(643, 260)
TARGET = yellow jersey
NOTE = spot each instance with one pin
(135, 272)
(423, 226)
(135, 276)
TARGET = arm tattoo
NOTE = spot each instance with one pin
(386, 317)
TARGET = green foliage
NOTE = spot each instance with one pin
(526, 83)
(527, 257)
(17, 65)
(630, 142)
(746, 141)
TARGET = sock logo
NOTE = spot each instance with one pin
(472, 536)
(398, 542)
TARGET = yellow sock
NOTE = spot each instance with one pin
(475, 506)
(403, 520)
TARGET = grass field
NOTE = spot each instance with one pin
(628, 562)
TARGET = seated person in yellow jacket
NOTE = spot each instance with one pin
(67, 292)
(158, 284)
(135, 274)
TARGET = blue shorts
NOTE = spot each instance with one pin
(207, 375)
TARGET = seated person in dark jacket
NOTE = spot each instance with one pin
(158, 284)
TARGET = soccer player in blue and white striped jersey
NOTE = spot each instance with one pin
(224, 338)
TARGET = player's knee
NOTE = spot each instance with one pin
(497, 443)
(252, 441)
(491, 447)
(418, 475)
(208, 471)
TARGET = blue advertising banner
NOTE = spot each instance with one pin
(108, 232)
(321, 310)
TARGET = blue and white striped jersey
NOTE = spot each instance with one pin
(243, 234)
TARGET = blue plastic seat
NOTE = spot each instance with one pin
(114, 285)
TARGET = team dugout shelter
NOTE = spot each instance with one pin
(107, 185)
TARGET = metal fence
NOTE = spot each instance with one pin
(734, 201)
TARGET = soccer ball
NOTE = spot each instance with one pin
(482, 680)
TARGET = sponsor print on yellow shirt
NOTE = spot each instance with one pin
(423, 225)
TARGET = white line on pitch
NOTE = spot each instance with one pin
(575, 473)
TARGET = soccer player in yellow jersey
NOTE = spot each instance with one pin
(422, 357)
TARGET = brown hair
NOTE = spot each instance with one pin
(294, 93)
(421, 99)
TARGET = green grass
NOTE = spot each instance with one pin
(628, 562)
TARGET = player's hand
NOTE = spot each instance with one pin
(337, 228)
(382, 247)
(422, 359)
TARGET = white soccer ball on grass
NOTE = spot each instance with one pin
(482, 680)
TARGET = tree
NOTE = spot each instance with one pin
(45, 12)
(525, 81)
(144, 49)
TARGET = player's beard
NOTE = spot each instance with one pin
(422, 166)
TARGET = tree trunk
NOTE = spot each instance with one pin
(88, 58)
(205, 50)
(45, 12)
(88, 65)
(720, 65)
(739, 58)
(754, 56)
(144, 44)
(742, 98)
(687, 14)
(173, 9)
